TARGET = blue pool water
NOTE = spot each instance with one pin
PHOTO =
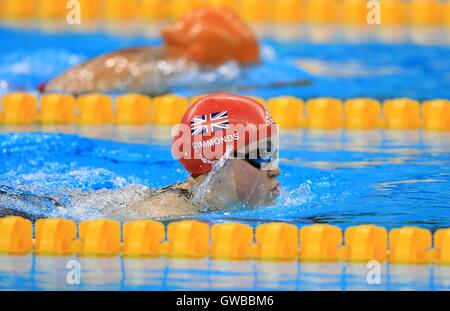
(337, 69)
(50, 273)
(389, 178)
(342, 178)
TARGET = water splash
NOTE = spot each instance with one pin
(114, 204)
(201, 192)
(296, 197)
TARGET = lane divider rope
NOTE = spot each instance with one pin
(227, 241)
(348, 12)
(289, 112)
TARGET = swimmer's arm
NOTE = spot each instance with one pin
(125, 69)
(40, 203)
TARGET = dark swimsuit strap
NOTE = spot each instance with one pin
(176, 189)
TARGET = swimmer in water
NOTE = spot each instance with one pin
(229, 145)
(203, 39)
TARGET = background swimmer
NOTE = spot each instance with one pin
(206, 37)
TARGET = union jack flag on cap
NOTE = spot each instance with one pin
(208, 123)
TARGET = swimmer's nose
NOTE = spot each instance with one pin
(274, 172)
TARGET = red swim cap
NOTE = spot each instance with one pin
(215, 124)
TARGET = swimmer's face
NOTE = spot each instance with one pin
(241, 183)
(254, 186)
(212, 35)
(248, 178)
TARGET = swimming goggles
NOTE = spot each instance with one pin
(260, 158)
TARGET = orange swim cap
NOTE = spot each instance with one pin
(212, 35)
(217, 124)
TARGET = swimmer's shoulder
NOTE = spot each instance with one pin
(170, 201)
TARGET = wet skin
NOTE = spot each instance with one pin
(238, 183)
